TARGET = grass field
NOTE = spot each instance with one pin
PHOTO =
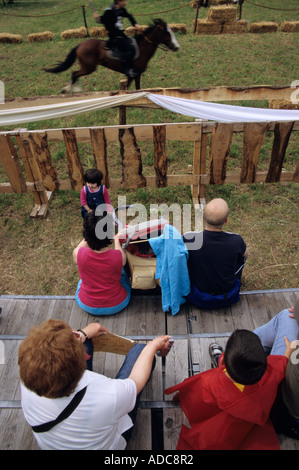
(36, 254)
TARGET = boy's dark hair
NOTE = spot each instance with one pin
(244, 357)
(95, 237)
(93, 176)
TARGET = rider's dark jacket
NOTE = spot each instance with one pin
(112, 20)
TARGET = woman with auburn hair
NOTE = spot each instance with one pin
(70, 407)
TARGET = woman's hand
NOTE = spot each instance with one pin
(95, 329)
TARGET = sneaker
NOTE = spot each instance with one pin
(215, 351)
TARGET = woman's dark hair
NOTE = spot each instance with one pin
(98, 230)
(93, 176)
(244, 357)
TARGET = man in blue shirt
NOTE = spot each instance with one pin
(216, 259)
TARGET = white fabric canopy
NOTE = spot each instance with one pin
(222, 112)
(197, 109)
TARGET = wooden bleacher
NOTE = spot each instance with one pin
(159, 420)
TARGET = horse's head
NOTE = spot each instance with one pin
(164, 35)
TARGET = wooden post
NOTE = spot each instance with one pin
(282, 132)
(132, 176)
(221, 139)
(99, 146)
(10, 161)
(75, 168)
(122, 109)
(35, 174)
(160, 163)
(253, 138)
(197, 164)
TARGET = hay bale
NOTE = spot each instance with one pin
(178, 27)
(235, 27)
(263, 27)
(74, 33)
(131, 30)
(283, 104)
(207, 27)
(222, 14)
(98, 32)
(40, 37)
(10, 38)
(290, 27)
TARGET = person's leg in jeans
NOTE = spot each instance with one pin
(272, 333)
(124, 373)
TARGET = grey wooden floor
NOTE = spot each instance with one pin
(159, 421)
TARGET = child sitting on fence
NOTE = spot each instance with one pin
(94, 193)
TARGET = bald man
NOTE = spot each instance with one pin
(216, 259)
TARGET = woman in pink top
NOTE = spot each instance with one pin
(104, 287)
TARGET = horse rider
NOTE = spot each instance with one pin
(112, 20)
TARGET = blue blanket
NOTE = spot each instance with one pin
(172, 269)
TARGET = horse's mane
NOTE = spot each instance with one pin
(152, 26)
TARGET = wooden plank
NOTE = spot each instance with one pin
(142, 432)
(215, 93)
(145, 317)
(160, 156)
(176, 364)
(241, 315)
(258, 308)
(221, 139)
(282, 134)
(15, 433)
(99, 146)
(38, 143)
(11, 164)
(35, 174)
(132, 176)
(75, 168)
(173, 419)
(203, 167)
(253, 138)
(177, 324)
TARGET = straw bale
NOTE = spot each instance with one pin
(131, 30)
(263, 27)
(74, 33)
(283, 104)
(98, 32)
(10, 38)
(290, 27)
(40, 37)
(222, 14)
(235, 27)
(178, 27)
(207, 27)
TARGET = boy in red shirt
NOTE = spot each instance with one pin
(228, 406)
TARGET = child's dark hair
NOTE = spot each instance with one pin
(95, 237)
(93, 175)
(244, 357)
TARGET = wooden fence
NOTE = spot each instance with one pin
(27, 160)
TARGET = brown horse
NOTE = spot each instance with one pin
(93, 52)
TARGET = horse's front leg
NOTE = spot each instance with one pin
(137, 82)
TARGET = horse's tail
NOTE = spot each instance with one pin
(66, 64)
